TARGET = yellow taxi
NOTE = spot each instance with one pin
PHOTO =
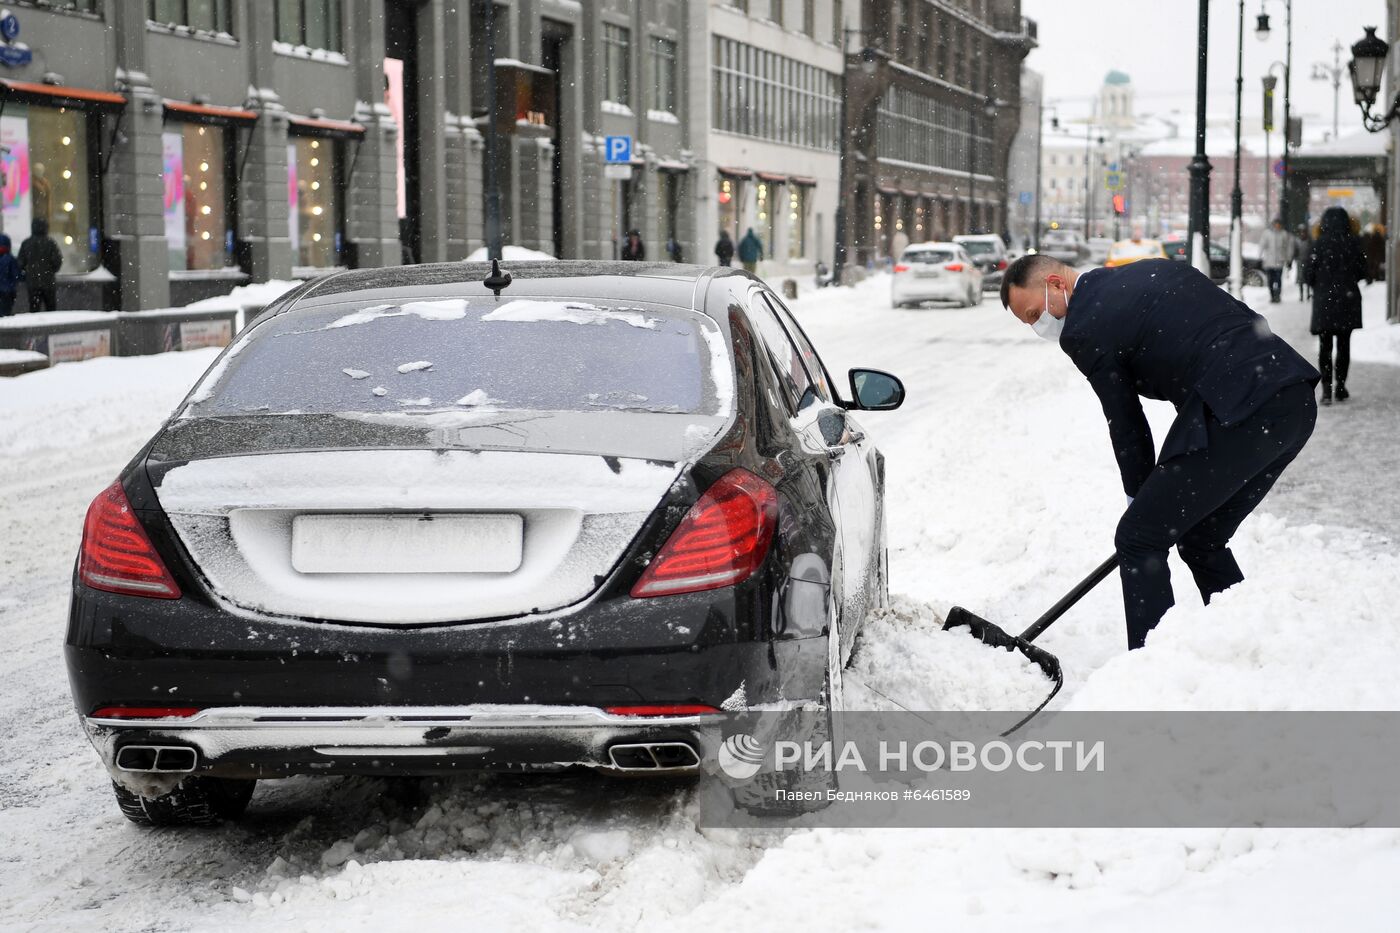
(1126, 251)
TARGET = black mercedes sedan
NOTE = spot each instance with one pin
(447, 517)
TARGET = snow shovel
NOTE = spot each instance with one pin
(991, 634)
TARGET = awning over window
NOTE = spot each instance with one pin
(319, 126)
(207, 113)
(772, 177)
(669, 166)
(59, 95)
(910, 193)
(735, 172)
(891, 192)
(806, 181)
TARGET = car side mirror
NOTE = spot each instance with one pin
(874, 390)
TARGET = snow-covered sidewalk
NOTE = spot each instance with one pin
(1003, 492)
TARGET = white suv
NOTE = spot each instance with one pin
(936, 272)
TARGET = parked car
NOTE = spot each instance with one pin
(1124, 252)
(405, 526)
(1065, 245)
(1177, 248)
(935, 272)
(1098, 249)
(989, 253)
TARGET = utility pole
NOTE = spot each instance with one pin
(493, 187)
(1237, 193)
(1332, 73)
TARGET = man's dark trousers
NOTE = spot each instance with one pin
(1275, 277)
(1197, 500)
(43, 299)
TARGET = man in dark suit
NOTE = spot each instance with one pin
(1244, 400)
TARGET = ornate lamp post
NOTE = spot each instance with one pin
(869, 64)
(1367, 68)
(1263, 31)
(1198, 225)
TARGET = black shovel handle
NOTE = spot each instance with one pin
(1070, 598)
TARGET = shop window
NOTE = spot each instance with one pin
(663, 57)
(315, 201)
(764, 205)
(797, 222)
(730, 194)
(210, 15)
(48, 177)
(312, 23)
(617, 62)
(196, 196)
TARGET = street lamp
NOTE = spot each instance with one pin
(1262, 31)
(1198, 224)
(1333, 73)
(1367, 69)
(1237, 193)
(989, 109)
(869, 63)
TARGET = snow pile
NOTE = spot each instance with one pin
(1378, 341)
(447, 309)
(906, 659)
(253, 295)
(511, 254)
(572, 312)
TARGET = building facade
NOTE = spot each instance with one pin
(179, 147)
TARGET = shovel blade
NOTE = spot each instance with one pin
(995, 636)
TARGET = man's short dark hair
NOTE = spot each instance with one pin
(1024, 270)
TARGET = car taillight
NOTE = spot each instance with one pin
(721, 541)
(901, 268)
(144, 712)
(1001, 265)
(117, 555)
(663, 709)
(954, 267)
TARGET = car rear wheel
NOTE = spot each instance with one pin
(1255, 277)
(196, 801)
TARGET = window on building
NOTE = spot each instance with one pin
(211, 15)
(797, 222)
(765, 197)
(312, 23)
(731, 194)
(196, 195)
(617, 63)
(81, 6)
(838, 23)
(663, 60)
(809, 17)
(759, 93)
(60, 182)
(316, 201)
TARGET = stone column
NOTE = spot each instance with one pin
(134, 190)
(534, 211)
(432, 132)
(371, 186)
(265, 244)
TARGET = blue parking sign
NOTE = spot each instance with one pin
(618, 149)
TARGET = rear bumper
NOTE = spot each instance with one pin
(948, 289)
(260, 742)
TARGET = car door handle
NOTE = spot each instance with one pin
(835, 453)
(853, 437)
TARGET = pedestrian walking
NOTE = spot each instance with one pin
(898, 244)
(1301, 251)
(1373, 248)
(1244, 401)
(724, 248)
(1335, 265)
(634, 250)
(1276, 252)
(750, 251)
(10, 276)
(40, 260)
(673, 249)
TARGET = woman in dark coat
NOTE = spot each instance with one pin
(1335, 265)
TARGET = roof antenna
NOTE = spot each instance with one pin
(497, 280)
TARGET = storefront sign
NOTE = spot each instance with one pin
(12, 53)
(197, 334)
(173, 168)
(15, 200)
(78, 345)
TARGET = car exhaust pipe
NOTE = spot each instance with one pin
(654, 756)
(157, 759)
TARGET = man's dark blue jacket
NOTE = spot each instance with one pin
(1160, 329)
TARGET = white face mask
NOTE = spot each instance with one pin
(1047, 325)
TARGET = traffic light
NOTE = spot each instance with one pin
(1119, 205)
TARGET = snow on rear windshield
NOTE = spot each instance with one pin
(559, 356)
(931, 257)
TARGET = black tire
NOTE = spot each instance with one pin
(1255, 277)
(197, 801)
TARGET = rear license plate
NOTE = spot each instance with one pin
(406, 543)
(929, 273)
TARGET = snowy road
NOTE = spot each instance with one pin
(1003, 492)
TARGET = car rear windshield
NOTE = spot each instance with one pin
(930, 257)
(472, 354)
(978, 247)
(1140, 250)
